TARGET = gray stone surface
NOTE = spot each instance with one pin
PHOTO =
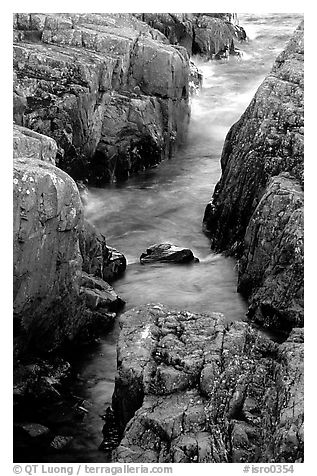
(108, 88)
(193, 388)
(256, 212)
(167, 253)
(55, 302)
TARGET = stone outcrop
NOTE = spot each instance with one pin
(193, 388)
(266, 142)
(54, 301)
(108, 88)
(167, 253)
(205, 34)
(271, 270)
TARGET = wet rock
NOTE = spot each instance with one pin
(60, 442)
(39, 381)
(167, 253)
(272, 274)
(256, 210)
(267, 140)
(110, 431)
(205, 34)
(195, 80)
(34, 430)
(99, 294)
(99, 259)
(29, 436)
(90, 82)
(193, 388)
(115, 266)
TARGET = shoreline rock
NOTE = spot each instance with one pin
(272, 274)
(58, 306)
(90, 82)
(254, 212)
(50, 287)
(205, 34)
(193, 388)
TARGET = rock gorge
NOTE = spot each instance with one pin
(97, 98)
(192, 387)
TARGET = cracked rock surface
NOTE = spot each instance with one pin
(194, 388)
(108, 88)
(271, 269)
(206, 34)
(59, 296)
(256, 212)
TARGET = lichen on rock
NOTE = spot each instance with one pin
(107, 87)
(52, 306)
(194, 388)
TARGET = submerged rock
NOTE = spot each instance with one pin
(192, 388)
(167, 253)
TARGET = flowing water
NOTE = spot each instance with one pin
(166, 204)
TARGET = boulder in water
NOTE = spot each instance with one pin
(165, 252)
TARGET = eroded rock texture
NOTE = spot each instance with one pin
(205, 34)
(54, 301)
(257, 218)
(193, 388)
(108, 88)
(271, 270)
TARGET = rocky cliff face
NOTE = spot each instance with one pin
(257, 218)
(108, 88)
(193, 388)
(271, 269)
(52, 305)
(205, 34)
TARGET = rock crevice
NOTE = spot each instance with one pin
(256, 212)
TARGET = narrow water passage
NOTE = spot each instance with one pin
(166, 204)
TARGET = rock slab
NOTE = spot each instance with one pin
(193, 388)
